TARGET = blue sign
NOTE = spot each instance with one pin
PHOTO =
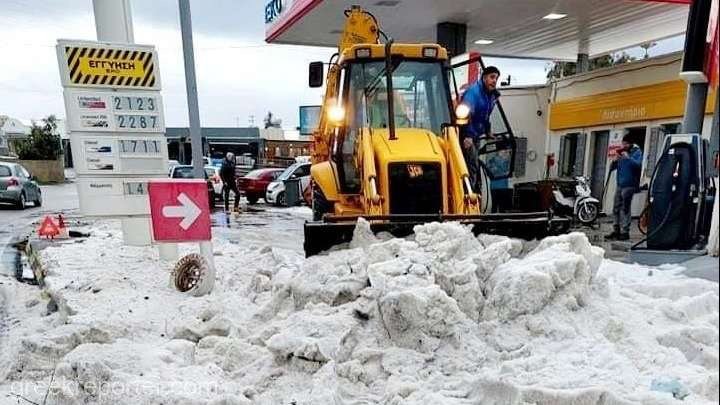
(272, 10)
(309, 119)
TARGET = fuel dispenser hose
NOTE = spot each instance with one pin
(647, 208)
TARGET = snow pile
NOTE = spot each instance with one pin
(560, 268)
(440, 317)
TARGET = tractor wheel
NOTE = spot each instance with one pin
(320, 204)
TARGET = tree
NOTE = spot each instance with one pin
(563, 69)
(43, 142)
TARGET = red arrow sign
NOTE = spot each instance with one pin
(179, 210)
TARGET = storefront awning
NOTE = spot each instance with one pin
(550, 29)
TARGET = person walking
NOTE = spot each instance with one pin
(227, 175)
(627, 163)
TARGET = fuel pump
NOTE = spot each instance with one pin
(679, 202)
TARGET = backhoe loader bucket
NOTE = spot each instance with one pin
(335, 230)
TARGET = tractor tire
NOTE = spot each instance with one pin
(320, 204)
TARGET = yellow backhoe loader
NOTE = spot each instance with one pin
(387, 145)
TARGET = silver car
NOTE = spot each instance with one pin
(17, 186)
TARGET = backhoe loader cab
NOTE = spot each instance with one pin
(387, 145)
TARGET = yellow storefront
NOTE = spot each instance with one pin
(583, 131)
(647, 103)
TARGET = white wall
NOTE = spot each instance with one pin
(521, 105)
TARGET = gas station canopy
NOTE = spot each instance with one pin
(545, 29)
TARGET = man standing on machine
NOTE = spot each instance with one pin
(481, 98)
(628, 163)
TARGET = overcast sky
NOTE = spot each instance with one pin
(238, 74)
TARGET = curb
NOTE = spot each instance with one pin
(33, 258)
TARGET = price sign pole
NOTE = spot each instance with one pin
(115, 118)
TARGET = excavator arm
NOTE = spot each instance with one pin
(360, 28)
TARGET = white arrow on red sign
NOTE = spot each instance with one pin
(187, 210)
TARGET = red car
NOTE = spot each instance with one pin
(253, 184)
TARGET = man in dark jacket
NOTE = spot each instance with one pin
(227, 175)
(628, 164)
(480, 98)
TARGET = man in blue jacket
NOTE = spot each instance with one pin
(627, 164)
(481, 98)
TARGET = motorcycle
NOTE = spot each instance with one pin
(576, 201)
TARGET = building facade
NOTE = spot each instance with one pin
(217, 141)
(590, 113)
(11, 129)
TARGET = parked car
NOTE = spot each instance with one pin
(172, 163)
(213, 173)
(275, 193)
(186, 172)
(254, 184)
(18, 186)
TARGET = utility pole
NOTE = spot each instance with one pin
(113, 23)
(693, 64)
(191, 89)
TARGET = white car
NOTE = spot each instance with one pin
(275, 193)
(172, 163)
(213, 173)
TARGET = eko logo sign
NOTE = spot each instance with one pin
(273, 9)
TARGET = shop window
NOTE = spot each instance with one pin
(572, 155)
(636, 135)
(599, 161)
